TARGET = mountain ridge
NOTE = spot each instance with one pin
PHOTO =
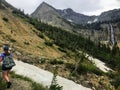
(79, 18)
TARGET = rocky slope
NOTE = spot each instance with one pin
(77, 18)
(109, 15)
(48, 14)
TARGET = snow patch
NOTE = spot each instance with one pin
(69, 20)
(44, 77)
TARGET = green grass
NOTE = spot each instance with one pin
(34, 85)
(2, 82)
(84, 68)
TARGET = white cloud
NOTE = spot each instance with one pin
(89, 7)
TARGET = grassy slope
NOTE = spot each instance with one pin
(23, 32)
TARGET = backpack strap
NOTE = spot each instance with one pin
(3, 55)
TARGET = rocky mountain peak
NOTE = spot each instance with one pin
(44, 4)
(50, 15)
(4, 4)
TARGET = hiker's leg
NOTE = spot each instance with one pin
(5, 75)
(8, 82)
(8, 74)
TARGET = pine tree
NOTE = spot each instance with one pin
(54, 85)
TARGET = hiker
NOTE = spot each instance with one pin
(6, 68)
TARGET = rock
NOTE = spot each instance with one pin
(18, 53)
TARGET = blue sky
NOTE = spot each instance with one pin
(88, 7)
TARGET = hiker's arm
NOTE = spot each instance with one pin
(0, 59)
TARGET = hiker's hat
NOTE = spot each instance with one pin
(5, 47)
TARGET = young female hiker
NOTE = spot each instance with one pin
(6, 70)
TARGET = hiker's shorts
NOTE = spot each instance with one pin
(5, 69)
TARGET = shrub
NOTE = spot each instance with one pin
(116, 81)
(42, 60)
(70, 66)
(62, 50)
(54, 85)
(118, 87)
(12, 40)
(41, 35)
(48, 43)
(84, 68)
(55, 61)
(5, 19)
(26, 43)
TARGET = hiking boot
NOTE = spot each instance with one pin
(8, 84)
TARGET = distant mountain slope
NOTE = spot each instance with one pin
(48, 14)
(4, 4)
(78, 18)
(110, 15)
(72, 16)
(53, 16)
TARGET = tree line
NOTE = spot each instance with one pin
(73, 41)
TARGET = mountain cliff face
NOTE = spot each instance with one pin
(53, 16)
(109, 15)
(48, 14)
(77, 18)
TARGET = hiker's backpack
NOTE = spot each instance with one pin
(8, 61)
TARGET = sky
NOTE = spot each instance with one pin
(87, 7)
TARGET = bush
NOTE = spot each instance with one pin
(62, 50)
(54, 85)
(84, 68)
(42, 60)
(26, 43)
(41, 35)
(116, 81)
(5, 19)
(118, 87)
(55, 61)
(48, 43)
(12, 40)
(70, 66)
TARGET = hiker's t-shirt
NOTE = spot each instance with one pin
(3, 67)
(3, 55)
